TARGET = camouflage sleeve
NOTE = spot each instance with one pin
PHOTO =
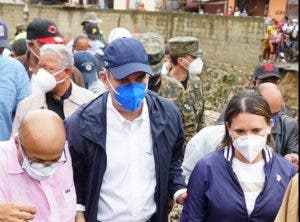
(186, 112)
(188, 116)
(199, 102)
(193, 108)
(173, 90)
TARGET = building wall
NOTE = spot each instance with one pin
(150, 5)
(233, 40)
(277, 8)
(120, 4)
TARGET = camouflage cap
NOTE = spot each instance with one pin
(184, 45)
(155, 48)
(21, 27)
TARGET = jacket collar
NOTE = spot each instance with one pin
(267, 153)
(157, 113)
(93, 118)
(76, 94)
(276, 129)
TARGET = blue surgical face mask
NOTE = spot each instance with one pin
(129, 96)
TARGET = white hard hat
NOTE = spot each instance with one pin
(295, 21)
(118, 33)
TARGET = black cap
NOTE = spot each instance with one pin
(266, 70)
(92, 30)
(44, 31)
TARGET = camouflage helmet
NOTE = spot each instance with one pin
(184, 45)
(155, 48)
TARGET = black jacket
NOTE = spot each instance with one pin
(285, 133)
(86, 134)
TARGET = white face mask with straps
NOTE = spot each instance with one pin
(195, 67)
(38, 173)
(46, 81)
(32, 51)
(250, 146)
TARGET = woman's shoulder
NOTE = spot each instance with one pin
(213, 158)
(280, 163)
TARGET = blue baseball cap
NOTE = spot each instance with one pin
(3, 35)
(125, 56)
(87, 65)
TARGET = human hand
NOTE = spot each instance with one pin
(181, 198)
(13, 212)
(79, 216)
(294, 158)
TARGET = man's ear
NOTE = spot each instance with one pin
(180, 61)
(68, 72)
(103, 77)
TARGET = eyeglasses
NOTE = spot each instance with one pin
(62, 160)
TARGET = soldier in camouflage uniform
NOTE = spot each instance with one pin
(187, 66)
(164, 85)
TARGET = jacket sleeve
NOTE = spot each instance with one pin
(176, 178)
(289, 207)
(195, 206)
(22, 83)
(77, 152)
(292, 135)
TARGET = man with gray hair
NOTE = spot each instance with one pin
(38, 33)
(57, 91)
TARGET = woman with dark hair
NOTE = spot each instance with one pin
(244, 179)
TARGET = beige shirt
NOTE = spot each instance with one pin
(78, 97)
(288, 211)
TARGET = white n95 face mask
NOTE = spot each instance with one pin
(195, 67)
(38, 173)
(45, 80)
(250, 146)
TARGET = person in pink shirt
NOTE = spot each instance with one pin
(36, 169)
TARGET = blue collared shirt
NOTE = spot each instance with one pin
(14, 86)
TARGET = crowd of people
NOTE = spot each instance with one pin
(114, 129)
(281, 42)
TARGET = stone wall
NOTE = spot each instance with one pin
(290, 87)
(220, 82)
(232, 40)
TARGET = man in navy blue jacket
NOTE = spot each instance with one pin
(126, 144)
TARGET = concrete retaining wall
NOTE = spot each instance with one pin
(233, 40)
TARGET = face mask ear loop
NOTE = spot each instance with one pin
(109, 83)
(54, 74)
(147, 75)
(33, 51)
(187, 68)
